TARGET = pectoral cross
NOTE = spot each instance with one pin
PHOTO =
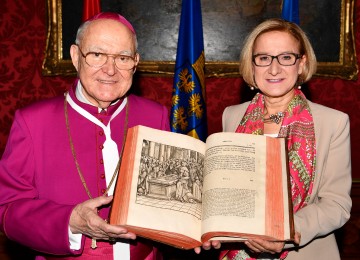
(93, 243)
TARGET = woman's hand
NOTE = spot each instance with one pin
(271, 247)
(264, 246)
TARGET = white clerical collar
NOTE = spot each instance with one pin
(81, 97)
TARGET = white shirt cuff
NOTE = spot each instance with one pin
(74, 240)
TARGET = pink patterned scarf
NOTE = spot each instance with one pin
(298, 128)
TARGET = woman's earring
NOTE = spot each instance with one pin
(299, 82)
(252, 87)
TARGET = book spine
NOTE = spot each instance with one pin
(120, 205)
(274, 220)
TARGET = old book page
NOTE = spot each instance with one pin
(239, 196)
(155, 195)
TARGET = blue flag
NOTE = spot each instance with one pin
(290, 11)
(188, 111)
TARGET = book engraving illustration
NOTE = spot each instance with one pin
(170, 177)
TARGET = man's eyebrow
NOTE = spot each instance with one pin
(101, 50)
(129, 53)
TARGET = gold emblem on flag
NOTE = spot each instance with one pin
(186, 84)
(195, 105)
(179, 119)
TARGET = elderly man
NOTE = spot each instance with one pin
(61, 160)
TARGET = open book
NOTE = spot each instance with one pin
(180, 191)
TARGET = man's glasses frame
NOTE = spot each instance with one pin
(129, 63)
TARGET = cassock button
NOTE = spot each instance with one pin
(101, 161)
(102, 176)
(101, 147)
(101, 133)
(103, 191)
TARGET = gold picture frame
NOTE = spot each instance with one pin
(344, 64)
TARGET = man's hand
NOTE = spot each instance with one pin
(85, 220)
(208, 245)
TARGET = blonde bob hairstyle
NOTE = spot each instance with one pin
(275, 24)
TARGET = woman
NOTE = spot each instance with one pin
(277, 57)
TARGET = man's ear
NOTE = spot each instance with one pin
(137, 59)
(74, 53)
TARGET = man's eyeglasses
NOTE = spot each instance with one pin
(285, 59)
(98, 59)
